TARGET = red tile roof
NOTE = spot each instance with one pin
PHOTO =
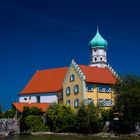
(98, 75)
(46, 81)
(43, 81)
(20, 106)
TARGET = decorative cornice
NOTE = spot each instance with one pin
(113, 72)
(77, 70)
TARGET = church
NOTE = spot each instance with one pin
(74, 84)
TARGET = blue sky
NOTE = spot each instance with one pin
(42, 34)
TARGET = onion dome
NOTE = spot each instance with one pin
(98, 41)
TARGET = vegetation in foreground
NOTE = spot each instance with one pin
(88, 119)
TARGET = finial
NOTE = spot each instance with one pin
(97, 28)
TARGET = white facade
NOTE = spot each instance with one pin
(98, 57)
(49, 99)
(36, 98)
(26, 99)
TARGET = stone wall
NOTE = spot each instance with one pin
(10, 125)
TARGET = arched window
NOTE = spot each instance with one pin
(72, 78)
(76, 103)
(76, 89)
(68, 102)
(95, 59)
(101, 58)
(68, 91)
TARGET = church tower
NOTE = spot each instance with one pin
(98, 46)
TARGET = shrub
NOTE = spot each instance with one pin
(31, 120)
(35, 124)
(88, 119)
(59, 117)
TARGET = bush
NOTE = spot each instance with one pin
(35, 124)
(9, 113)
(59, 118)
(88, 119)
(32, 111)
(31, 120)
(106, 115)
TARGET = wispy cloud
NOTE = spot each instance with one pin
(45, 18)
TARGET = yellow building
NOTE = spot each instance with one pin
(86, 84)
(93, 83)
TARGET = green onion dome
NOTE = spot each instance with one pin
(98, 41)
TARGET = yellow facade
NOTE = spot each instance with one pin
(96, 95)
(71, 84)
(83, 93)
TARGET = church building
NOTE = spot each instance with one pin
(75, 84)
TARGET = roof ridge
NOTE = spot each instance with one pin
(52, 69)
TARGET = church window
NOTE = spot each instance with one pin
(76, 103)
(101, 58)
(72, 78)
(76, 89)
(68, 91)
(103, 88)
(95, 59)
(89, 87)
(68, 102)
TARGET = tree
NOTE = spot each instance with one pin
(31, 111)
(31, 120)
(88, 119)
(59, 118)
(9, 113)
(106, 115)
(35, 124)
(127, 103)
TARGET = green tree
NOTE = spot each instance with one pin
(60, 118)
(9, 113)
(106, 114)
(35, 124)
(32, 111)
(26, 121)
(88, 119)
(127, 103)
